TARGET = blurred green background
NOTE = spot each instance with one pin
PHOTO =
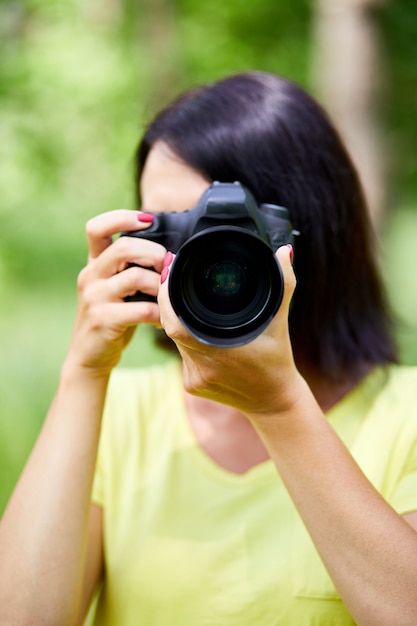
(78, 82)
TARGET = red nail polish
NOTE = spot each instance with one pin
(289, 246)
(168, 259)
(146, 218)
(164, 275)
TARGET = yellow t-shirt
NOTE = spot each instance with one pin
(188, 543)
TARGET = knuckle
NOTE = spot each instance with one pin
(91, 228)
(123, 243)
(208, 378)
(88, 294)
(86, 288)
(82, 279)
(171, 330)
(198, 382)
(96, 316)
(123, 247)
(139, 278)
(135, 278)
(148, 311)
(189, 386)
(291, 282)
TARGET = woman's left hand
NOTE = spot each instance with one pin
(254, 378)
(352, 527)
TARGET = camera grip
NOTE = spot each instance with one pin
(139, 296)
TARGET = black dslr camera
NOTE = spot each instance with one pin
(225, 282)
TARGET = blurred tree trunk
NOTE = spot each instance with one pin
(347, 74)
(157, 31)
(149, 29)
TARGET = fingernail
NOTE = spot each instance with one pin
(146, 218)
(168, 259)
(164, 274)
(289, 246)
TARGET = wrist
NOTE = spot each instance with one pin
(286, 402)
(73, 371)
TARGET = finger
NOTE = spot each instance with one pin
(169, 320)
(123, 315)
(101, 228)
(284, 255)
(125, 251)
(132, 280)
(126, 283)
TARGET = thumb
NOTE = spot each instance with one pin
(285, 255)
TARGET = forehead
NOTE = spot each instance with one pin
(168, 184)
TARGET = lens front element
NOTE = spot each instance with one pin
(224, 279)
(225, 286)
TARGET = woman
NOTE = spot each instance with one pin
(281, 486)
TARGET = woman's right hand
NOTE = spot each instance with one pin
(50, 542)
(105, 321)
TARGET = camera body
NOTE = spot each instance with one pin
(225, 282)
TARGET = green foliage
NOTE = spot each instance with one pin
(219, 37)
(398, 24)
(71, 94)
(70, 116)
(69, 123)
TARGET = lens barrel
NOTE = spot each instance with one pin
(225, 285)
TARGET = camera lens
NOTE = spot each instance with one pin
(225, 285)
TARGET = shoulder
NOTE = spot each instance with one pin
(387, 427)
(385, 445)
(391, 423)
(398, 432)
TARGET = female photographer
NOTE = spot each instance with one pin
(270, 483)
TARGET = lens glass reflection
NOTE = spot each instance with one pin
(224, 279)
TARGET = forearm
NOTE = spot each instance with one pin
(369, 551)
(43, 534)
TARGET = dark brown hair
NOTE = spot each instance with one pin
(270, 135)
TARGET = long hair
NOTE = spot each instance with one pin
(270, 135)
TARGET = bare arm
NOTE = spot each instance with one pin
(49, 556)
(94, 569)
(44, 529)
(369, 550)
